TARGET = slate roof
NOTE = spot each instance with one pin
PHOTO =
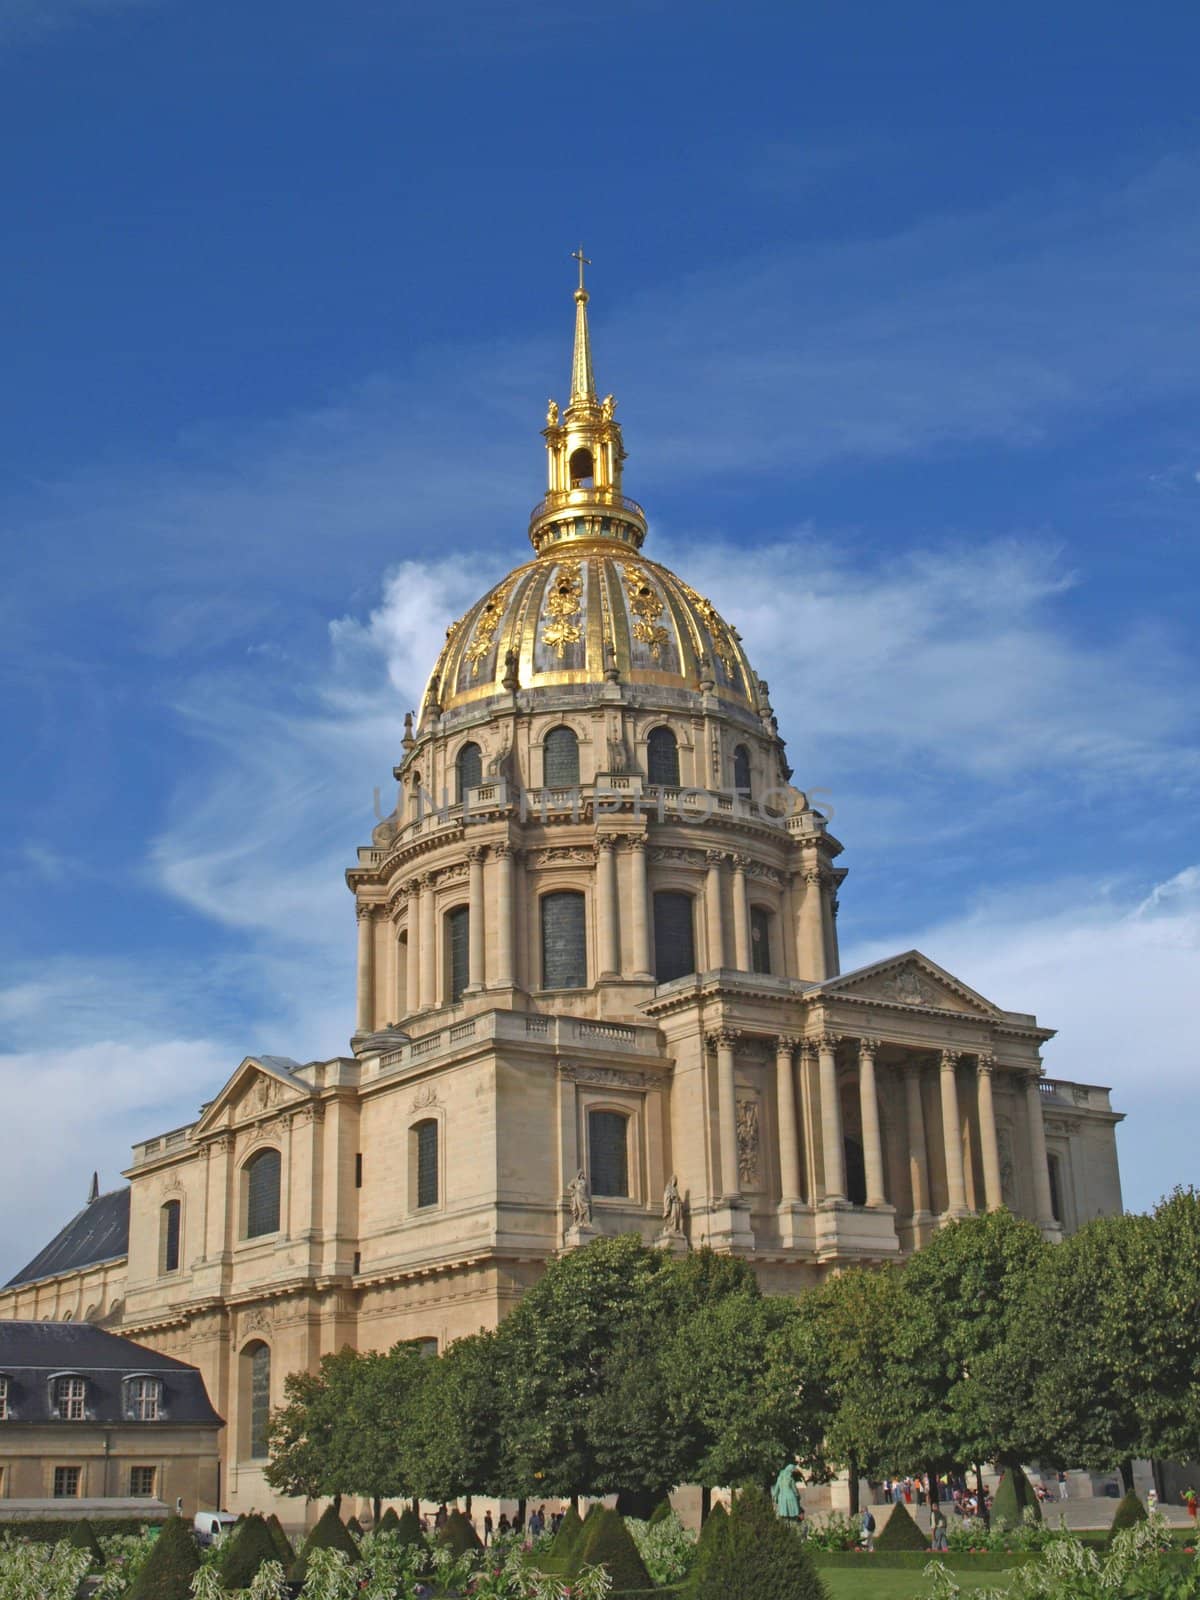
(100, 1232)
(32, 1353)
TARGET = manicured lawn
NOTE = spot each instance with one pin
(884, 1585)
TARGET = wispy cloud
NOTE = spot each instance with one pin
(21, 19)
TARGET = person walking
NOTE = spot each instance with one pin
(867, 1534)
(1064, 1489)
(489, 1528)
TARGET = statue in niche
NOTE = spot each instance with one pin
(672, 1207)
(581, 1200)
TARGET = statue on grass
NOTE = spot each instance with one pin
(783, 1492)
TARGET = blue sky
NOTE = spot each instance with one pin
(901, 306)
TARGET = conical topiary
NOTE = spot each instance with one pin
(900, 1532)
(83, 1537)
(241, 1555)
(284, 1552)
(328, 1533)
(660, 1513)
(1130, 1511)
(170, 1567)
(607, 1543)
(408, 1529)
(570, 1531)
(710, 1547)
(457, 1534)
(389, 1521)
(355, 1529)
(1013, 1498)
(755, 1556)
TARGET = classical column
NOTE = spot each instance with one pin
(956, 1184)
(608, 933)
(1037, 1151)
(504, 914)
(989, 1144)
(742, 956)
(640, 909)
(392, 1011)
(918, 1159)
(810, 927)
(724, 1040)
(809, 1101)
(428, 945)
(869, 1107)
(832, 1148)
(413, 984)
(714, 911)
(785, 1111)
(365, 1018)
(476, 977)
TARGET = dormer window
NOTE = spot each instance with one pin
(143, 1399)
(70, 1398)
(3, 1397)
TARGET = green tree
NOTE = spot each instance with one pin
(452, 1443)
(304, 1452)
(1168, 1305)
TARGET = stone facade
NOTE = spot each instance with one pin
(484, 1121)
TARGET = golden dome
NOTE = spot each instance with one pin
(590, 609)
(583, 616)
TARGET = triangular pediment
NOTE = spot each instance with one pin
(911, 979)
(260, 1086)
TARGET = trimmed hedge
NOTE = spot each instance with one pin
(83, 1537)
(170, 1567)
(1130, 1511)
(1014, 1497)
(240, 1556)
(52, 1530)
(661, 1512)
(917, 1561)
(355, 1528)
(284, 1552)
(389, 1521)
(900, 1532)
(608, 1543)
(758, 1557)
(457, 1534)
(329, 1533)
(407, 1527)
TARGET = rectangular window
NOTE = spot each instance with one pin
(3, 1399)
(674, 941)
(141, 1483)
(425, 1136)
(66, 1483)
(70, 1394)
(358, 1171)
(458, 951)
(142, 1399)
(608, 1152)
(564, 941)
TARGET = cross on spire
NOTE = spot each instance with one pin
(584, 261)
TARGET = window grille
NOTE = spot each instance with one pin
(171, 1215)
(260, 1400)
(262, 1193)
(662, 758)
(564, 941)
(141, 1483)
(608, 1153)
(674, 936)
(70, 1395)
(426, 1138)
(760, 939)
(458, 950)
(561, 759)
(143, 1398)
(66, 1483)
(470, 769)
(741, 770)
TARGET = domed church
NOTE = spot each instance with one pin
(598, 991)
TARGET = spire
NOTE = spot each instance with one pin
(583, 384)
(94, 1191)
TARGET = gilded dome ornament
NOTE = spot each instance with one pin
(564, 606)
(647, 607)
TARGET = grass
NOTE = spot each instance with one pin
(884, 1585)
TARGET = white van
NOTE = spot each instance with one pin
(210, 1527)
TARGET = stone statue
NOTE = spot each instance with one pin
(552, 414)
(783, 1491)
(581, 1200)
(672, 1207)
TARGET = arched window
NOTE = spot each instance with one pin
(760, 939)
(581, 469)
(470, 769)
(257, 1391)
(608, 1153)
(169, 1218)
(662, 758)
(741, 770)
(458, 952)
(674, 936)
(261, 1176)
(564, 941)
(561, 753)
(425, 1157)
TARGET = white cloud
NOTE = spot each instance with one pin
(1116, 974)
